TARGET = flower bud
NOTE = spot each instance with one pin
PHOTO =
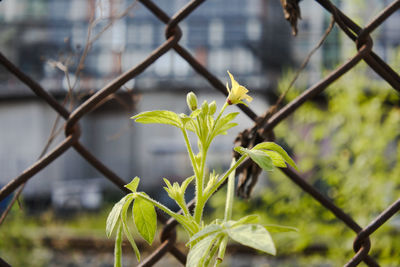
(191, 100)
(212, 108)
(204, 107)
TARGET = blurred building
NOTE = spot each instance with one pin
(249, 38)
(218, 34)
(37, 35)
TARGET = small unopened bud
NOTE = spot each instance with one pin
(191, 100)
(204, 107)
(197, 158)
(212, 108)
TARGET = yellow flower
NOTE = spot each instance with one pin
(237, 93)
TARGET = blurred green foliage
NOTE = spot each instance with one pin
(22, 235)
(346, 145)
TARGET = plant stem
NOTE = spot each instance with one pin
(200, 199)
(199, 177)
(184, 208)
(226, 175)
(190, 151)
(118, 248)
(221, 251)
(228, 210)
(230, 193)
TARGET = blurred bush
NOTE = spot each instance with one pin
(346, 144)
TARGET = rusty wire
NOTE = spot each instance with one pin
(364, 44)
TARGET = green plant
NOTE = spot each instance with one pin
(348, 147)
(207, 243)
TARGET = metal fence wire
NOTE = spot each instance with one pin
(360, 36)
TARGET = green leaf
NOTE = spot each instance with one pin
(145, 218)
(114, 215)
(200, 252)
(159, 116)
(228, 117)
(241, 150)
(186, 183)
(254, 236)
(262, 159)
(133, 185)
(223, 124)
(118, 248)
(208, 230)
(274, 228)
(250, 219)
(167, 182)
(276, 158)
(126, 228)
(258, 156)
(225, 128)
(275, 147)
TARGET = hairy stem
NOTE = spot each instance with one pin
(118, 248)
(226, 175)
(183, 206)
(198, 172)
(230, 193)
(200, 199)
(221, 251)
(190, 151)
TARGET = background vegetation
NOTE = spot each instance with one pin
(346, 144)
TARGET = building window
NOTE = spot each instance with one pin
(236, 33)
(216, 32)
(132, 57)
(146, 34)
(180, 67)
(244, 61)
(141, 34)
(103, 9)
(253, 29)
(118, 36)
(163, 65)
(105, 62)
(59, 10)
(37, 9)
(219, 60)
(79, 10)
(13, 10)
(254, 7)
(198, 32)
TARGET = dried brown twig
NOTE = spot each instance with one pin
(292, 13)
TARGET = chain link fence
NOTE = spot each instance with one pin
(264, 126)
